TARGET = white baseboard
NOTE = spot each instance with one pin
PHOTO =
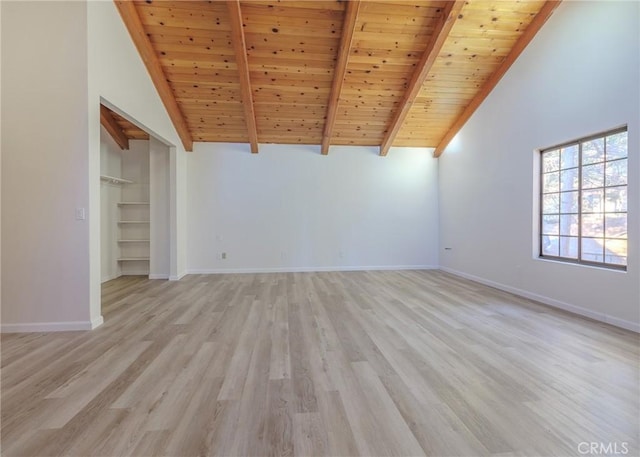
(628, 325)
(158, 276)
(595, 315)
(32, 327)
(179, 276)
(40, 327)
(109, 278)
(97, 322)
(308, 269)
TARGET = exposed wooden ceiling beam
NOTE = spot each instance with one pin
(348, 27)
(132, 21)
(240, 50)
(526, 37)
(111, 126)
(449, 16)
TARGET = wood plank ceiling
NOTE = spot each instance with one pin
(374, 73)
(120, 129)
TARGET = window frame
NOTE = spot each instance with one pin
(579, 142)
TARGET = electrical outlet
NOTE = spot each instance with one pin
(224, 256)
(80, 214)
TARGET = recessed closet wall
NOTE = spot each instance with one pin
(134, 214)
(159, 193)
(135, 228)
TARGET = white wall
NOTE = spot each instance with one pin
(45, 260)
(180, 188)
(110, 195)
(579, 76)
(289, 208)
(118, 75)
(51, 261)
(0, 167)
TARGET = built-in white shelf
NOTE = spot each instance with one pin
(134, 241)
(133, 259)
(133, 222)
(114, 180)
(133, 203)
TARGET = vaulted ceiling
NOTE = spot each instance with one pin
(375, 73)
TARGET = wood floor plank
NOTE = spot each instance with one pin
(236, 373)
(330, 363)
(279, 425)
(187, 436)
(253, 400)
(280, 367)
(339, 433)
(181, 390)
(437, 428)
(87, 384)
(301, 372)
(393, 431)
(309, 435)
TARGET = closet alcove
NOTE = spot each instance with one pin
(134, 200)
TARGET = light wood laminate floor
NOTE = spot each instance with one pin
(349, 363)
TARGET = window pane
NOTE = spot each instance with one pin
(550, 161)
(550, 182)
(616, 172)
(616, 225)
(583, 200)
(593, 249)
(569, 179)
(569, 225)
(592, 201)
(616, 251)
(617, 146)
(550, 204)
(551, 225)
(569, 247)
(616, 200)
(550, 245)
(569, 157)
(569, 202)
(593, 225)
(593, 151)
(593, 176)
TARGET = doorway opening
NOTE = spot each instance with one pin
(135, 228)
